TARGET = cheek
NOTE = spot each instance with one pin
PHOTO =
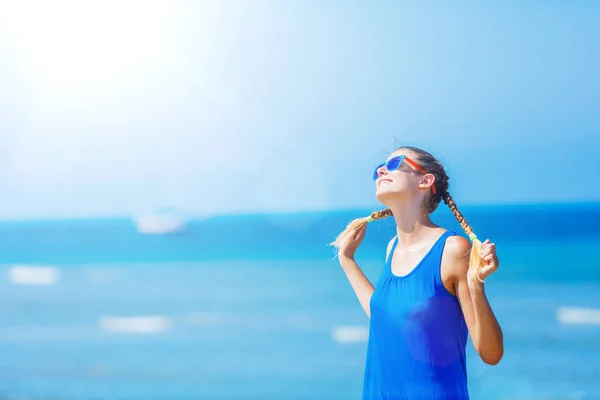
(399, 184)
(402, 178)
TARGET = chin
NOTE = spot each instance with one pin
(391, 195)
(386, 197)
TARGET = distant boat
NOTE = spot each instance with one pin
(160, 223)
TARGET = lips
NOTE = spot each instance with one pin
(384, 180)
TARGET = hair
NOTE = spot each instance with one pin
(430, 204)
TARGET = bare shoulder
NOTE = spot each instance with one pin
(457, 247)
(456, 255)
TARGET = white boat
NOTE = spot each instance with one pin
(160, 223)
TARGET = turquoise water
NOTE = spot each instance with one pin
(252, 306)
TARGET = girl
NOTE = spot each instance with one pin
(431, 292)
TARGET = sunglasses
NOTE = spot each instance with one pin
(395, 162)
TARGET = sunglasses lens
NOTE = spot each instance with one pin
(390, 165)
(394, 163)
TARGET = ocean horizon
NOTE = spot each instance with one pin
(255, 306)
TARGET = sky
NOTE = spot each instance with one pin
(117, 108)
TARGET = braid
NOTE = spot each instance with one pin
(381, 214)
(461, 220)
(359, 223)
(475, 260)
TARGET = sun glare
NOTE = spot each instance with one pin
(79, 46)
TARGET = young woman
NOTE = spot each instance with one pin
(430, 295)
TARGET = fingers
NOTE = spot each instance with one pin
(489, 258)
(487, 248)
(359, 233)
(362, 231)
(486, 271)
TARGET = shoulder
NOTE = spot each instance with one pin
(456, 255)
(457, 247)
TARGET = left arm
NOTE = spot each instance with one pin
(487, 338)
(483, 326)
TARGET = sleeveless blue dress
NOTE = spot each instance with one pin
(417, 335)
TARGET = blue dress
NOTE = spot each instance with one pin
(418, 335)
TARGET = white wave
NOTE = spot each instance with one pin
(29, 275)
(575, 315)
(350, 334)
(138, 325)
(160, 224)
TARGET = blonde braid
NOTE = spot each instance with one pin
(359, 223)
(475, 260)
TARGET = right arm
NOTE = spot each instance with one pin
(359, 282)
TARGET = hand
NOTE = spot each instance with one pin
(490, 263)
(352, 242)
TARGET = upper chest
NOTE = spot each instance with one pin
(405, 260)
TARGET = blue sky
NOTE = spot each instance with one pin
(281, 106)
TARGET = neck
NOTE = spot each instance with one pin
(412, 222)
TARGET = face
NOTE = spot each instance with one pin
(406, 181)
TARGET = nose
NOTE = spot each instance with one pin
(379, 171)
(382, 171)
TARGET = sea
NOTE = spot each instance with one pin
(255, 306)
